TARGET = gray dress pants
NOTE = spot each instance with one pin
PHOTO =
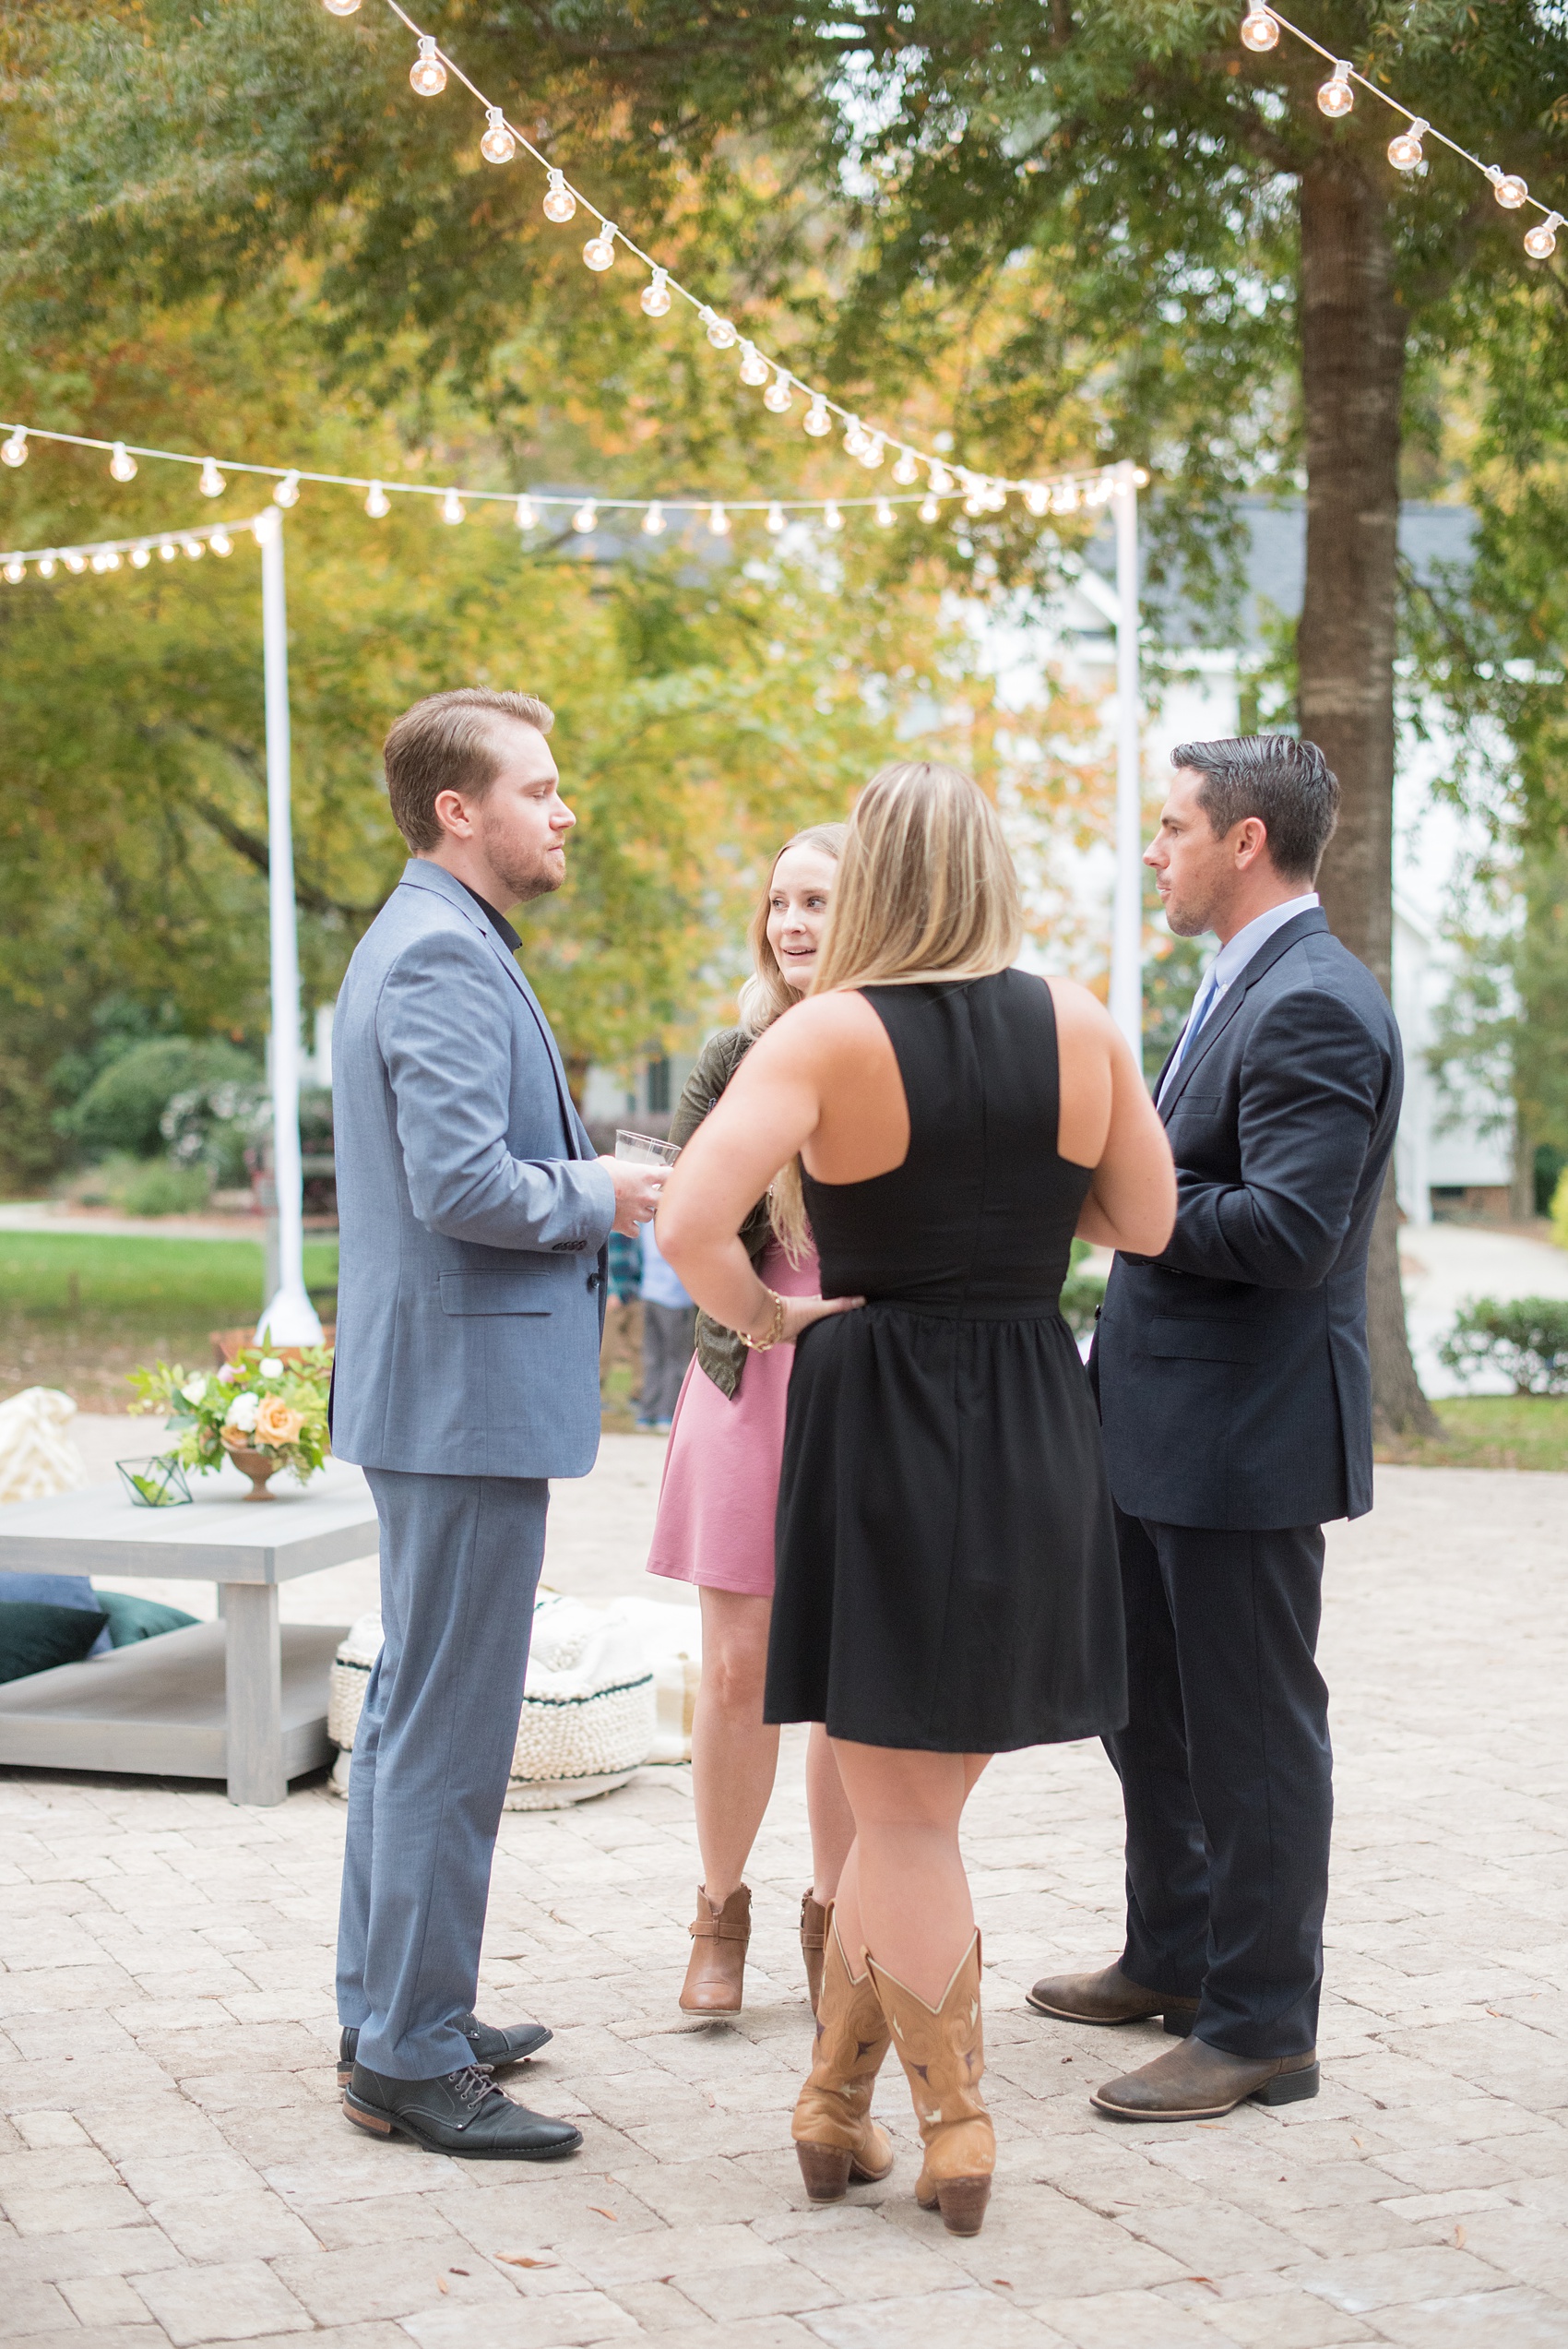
(460, 1566)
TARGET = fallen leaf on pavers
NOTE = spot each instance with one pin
(1498, 2012)
(1359, 2140)
(1458, 2238)
(442, 2285)
(1202, 2279)
(521, 2259)
(600, 2212)
(457, 2270)
(1211, 2123)
(1005, 2282)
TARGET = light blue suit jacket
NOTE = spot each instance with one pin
(472, 1211)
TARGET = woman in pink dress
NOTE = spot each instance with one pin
(721, 1489)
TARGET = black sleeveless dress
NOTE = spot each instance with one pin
(948, 1576)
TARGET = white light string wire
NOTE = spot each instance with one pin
(1260, 29)
(1064, 493)
(110, 554)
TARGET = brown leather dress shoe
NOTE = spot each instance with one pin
(717, 1965)
(1199, 2082)
(813, 1944)
(1109, 1997)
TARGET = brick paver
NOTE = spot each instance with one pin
(173, 2167)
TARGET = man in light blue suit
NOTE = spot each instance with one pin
(474, 1219)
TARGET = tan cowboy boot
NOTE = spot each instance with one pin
(943, 2053)
(813, 1940)
(836, 2137)
(718, 1963)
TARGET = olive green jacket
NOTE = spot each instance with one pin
(720, 1353)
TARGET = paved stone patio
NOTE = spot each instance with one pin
(173, 2167)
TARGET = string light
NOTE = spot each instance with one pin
(775, 519)
(211, 484)
(47, 565)
(653, 520)
(907, 471)
(856, 437)
(754, 370)
(166, 553)
(831, 517)
(220, 543)
(884, 515)
(930, 509)
(340, 7)
(818, 422)
(656, 296)
(16, 572)
(778, 399)
(559, 201)
(586, 517)
(721, 333)
(122, 465)
(1259, 31)
(76, 563)
(1037, 497)
(940, 481)
(452, 507)
(427, 75)
(193, 548)
(288, 491)
(718, 522)
(377, 503)
(600, 251)
(14, 451)
(140, 557)
(1508, 187)
(1405, 146)
(497, 146)
(1336, 98)
(871, 455)
(1541, 243)
(524, 514)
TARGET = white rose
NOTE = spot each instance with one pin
(194, 1389)
(271, 1368)
(242, 1414)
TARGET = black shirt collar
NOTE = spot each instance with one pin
(498, 922)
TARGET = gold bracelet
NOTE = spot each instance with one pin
(761, 1345)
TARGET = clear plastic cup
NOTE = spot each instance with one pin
(645, 1150)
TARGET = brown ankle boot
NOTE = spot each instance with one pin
(718, 1964)
(836, 2137)
(813, 1940)
(943, 2053)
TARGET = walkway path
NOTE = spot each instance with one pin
(173, 2168)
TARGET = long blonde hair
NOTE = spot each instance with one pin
(926, 886)
(766, 996)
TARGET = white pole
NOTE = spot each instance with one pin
(1127, 916)
(290, 1318)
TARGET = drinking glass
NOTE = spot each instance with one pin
(645, 1150)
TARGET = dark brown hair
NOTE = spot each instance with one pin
(1287, 785)
(450, 743)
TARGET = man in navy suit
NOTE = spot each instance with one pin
(1235, 1393)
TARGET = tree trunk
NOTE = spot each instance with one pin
(1352, 329)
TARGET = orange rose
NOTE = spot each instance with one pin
(275, 1425)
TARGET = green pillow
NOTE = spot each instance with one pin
(131, 1618)
(34, 1637)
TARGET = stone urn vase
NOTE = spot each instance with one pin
(255, 1464)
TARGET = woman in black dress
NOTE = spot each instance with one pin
(947, 1582)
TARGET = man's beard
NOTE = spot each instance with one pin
(536, 875)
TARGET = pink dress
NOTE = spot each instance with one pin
(721, 1488)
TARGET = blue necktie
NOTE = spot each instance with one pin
(1199, 1013)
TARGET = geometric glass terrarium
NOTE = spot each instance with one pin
(156, 1482)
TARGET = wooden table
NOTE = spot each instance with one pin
(243, 1698)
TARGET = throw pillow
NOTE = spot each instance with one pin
(34, 1637)
(131, 1618)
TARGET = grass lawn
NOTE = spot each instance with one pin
(78, 1310)
(1491, 1431)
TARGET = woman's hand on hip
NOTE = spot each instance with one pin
(800, 1312)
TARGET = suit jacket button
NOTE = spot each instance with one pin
(593, 1279)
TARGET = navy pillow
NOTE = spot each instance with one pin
(34, 1637)
(57, 1590)
(131, 1618)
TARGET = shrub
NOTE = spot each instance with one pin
(159, 1188)
(1526, 1340)
(122, 1108)
(1082, 1293)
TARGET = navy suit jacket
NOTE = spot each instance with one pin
(1235, 1386)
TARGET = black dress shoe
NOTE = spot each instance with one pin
(462, 2113)
(493, 2044)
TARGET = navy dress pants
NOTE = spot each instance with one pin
(1227, 1778)
(460, 1566)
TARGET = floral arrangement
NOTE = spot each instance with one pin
(258, 1402)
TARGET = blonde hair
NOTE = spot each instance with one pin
(766, 994)
(926, 886)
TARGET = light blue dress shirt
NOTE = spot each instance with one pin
(1227, 968)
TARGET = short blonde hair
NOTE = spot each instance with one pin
(926, 885)
(767, 994)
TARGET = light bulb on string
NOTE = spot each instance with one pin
(653, 520)
(140, 557)
(775, 519)
(524, 516)
(600, 251)
(377, 503)
(122, 464)
(940, 481)
(1064, 498)
(1259, 31)
(212, 482)
(1405, 146)
(871, 453)
(856, 437)
(718, 522)
(220, 542)
(586, 517)
(167, 550)
(721, 332)
(14, 451)
(340, 7)
(427, 74)
(883, 513)
(753, 366)
(16, 572)
(76, 563)
(497, 146)
(1037, 497)
(929, 508)
(288, 491)
(656, 296)
(1541, 243)
(907, 471)
(452, 507)
(1508, 187)
(559, 201)
(1336, 96)
(98, 564)
(995, 495)
(975, 502)
(831, 517)
(193, 548)
(48, 564)
(778, 399)
(819, 422)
